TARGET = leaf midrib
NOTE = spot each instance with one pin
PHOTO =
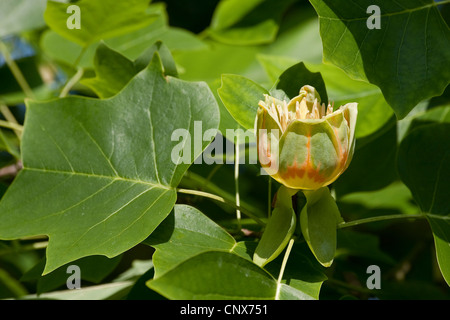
(99, 176)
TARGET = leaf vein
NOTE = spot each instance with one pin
(98, 147)
(109, 216)
(136, 220)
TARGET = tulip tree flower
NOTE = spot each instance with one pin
(304, 144)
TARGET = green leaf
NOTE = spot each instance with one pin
(413, 39)
(318, 221)
(241, 97)
(422, 165)
(209, 64)
(297, 76)
(99, 174)
(251, 22)
(360, 244)
(108, 291)
(395, 196)
(131, 44)
(17, 16)
(440, 114)
(185, 233)
(169, 66)
(66, 52)
(299, 37)
(279, 229)
(373, 110)
(99, 19)
(440, 225)
(218, 275)
(114, 71)
(373, 163)
(423, 160)
(93, 269)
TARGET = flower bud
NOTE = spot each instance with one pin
(304, 144)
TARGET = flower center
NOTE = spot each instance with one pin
(299, 108)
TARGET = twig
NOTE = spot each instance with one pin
(76, 77)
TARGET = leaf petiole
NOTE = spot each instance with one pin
(245, 211)
(11, 125)
(283, 266)
(380, 218)
(72, 81)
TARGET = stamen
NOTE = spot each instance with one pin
(303, 109)
(315, 110)
(285, 110)
(274, 111)
(283, 122)
(329, 109)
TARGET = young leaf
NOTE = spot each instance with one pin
(187, 232)
(318, 221)
(131, 44)
(169, 66)
(100, 174)
(99, 19)
(241, 97)
(412, 40)
(249, 22)
(114, 71)
(279, 228)
(295, 77)
(93, 269)
(216, 275)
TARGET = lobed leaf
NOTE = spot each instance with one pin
(99, 19)
(216, 275)
(98, 174)
(423, 166)
(185, 233)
